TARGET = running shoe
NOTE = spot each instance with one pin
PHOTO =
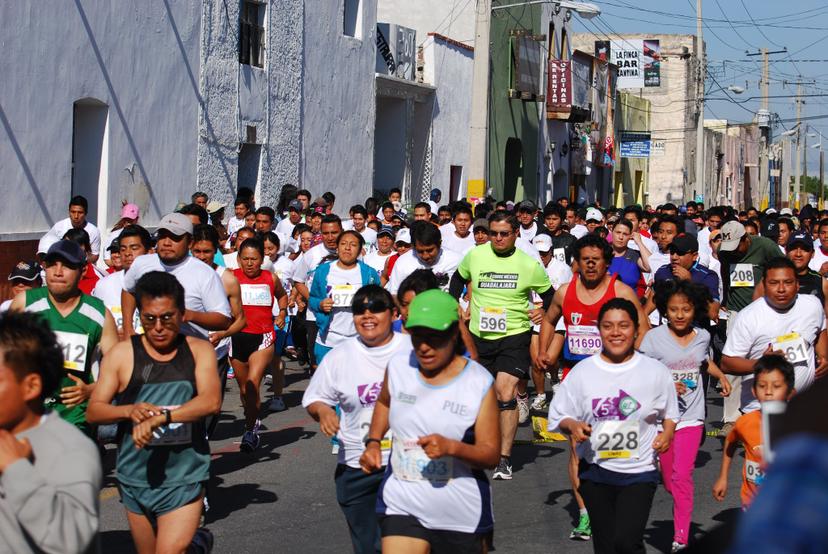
(725, 430)
(202, 541)
(231, 373)
(523, 408)
(276, 404)
(250, 441)
(539, 402)
(503, 471)
(677, 547)
(583, 532)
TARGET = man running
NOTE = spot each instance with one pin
(428, 253)
(78, 209)
(500, 278)
(82, 324)
(579, 302)
(800, 250)
(166, 384)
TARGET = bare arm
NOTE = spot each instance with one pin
(302, 289)
(644, 260)
(734, 365)
(326, 416)
(100, 409)
(550, 319)
(128, 312)
(19, 303)
(821, 349)
(371, 459)
(728, 450)
(623, 291)
(109, 336)
(233, 290)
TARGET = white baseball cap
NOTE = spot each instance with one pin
(594, 214)
(785, 211)
(732, 233)
(542, 242)
(403, 235)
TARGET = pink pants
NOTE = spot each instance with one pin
(677, 466)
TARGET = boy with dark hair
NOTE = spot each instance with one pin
(773, 379)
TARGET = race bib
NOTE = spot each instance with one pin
(256, 295)
(492, 320)
(75, 349)
(583, 340)
(365, 415)
(754, 473)
(174, 434)
(343, 295)
(559, 254)
(410, 463)
(117, 315)
(615, 439)
(793, 346)
(689, 378)
(741, 275)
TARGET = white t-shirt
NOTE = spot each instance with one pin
(528, 234)
(632, 397)
(59, 229)
(705, 252)
(408, 263)
(559, 274)
(377, 260)
(819, 257)
(370, 238)
(341, 325)
(234, 224)
(231, 262)
(448, 228)
(528, 248)
(285, 228)
(108, 290)
(759, 325)
(306, 265)
(203, 289)
(716, 267)
(338, 381)
(657, 260)
(457, 244)
(578, 231)
(4, 307)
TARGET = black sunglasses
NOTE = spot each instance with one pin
(375, 307)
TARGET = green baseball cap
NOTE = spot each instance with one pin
(433, 309)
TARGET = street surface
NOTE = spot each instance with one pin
(282, 498)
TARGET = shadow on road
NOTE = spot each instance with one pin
(226, 500)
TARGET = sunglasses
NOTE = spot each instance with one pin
(501, 234)
(376, 307)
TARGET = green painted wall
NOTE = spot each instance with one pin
(511, 120)
(633, 115)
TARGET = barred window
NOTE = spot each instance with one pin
(252, 34)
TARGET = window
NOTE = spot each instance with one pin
(551, 38)
(352, 18)
(251, 34)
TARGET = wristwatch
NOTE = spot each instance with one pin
(369, 440)
(167, 415)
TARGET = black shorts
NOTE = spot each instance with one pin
(242, 345)
(508, 355)
(450, 542)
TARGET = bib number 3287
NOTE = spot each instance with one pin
(493, 320)
(616, 439)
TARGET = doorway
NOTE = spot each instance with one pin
(513, 169)
(89, 156)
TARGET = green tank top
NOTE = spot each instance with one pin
(179, 453)
(78, 335)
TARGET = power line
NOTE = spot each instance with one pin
(731, 25)
(757, 26)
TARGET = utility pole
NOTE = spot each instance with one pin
(700, 184)
(821, 177)
(479, 127)
(798, 181)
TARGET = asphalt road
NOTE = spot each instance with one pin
(281, 498)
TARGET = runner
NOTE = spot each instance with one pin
(781, 322)
(359, 218)
(355, 388)
(241, 207)
(554, 218)
(579, 302)
(800, 250)
(283, 268)
(422, 211)
(332, 293)
(294, 218)
(91, 274)
(385, 249)
(617, 392)
(252, 349)
(626, 262)
(427, 253)
(442, 413)
(78, 208)
(459, 239)
(683, 345)
(166, 384)
(773, 380)
(819, 262)
(25, 276)
(84, 328)
(480, 230)
(500, 279)
(207, 308)
(526, 217)
(134, 241)
(51, 473)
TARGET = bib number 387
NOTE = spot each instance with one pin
(493, 320)
(616, 439)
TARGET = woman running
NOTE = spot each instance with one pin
(611, 404)
(252, 349)
(627, 262)
(442, 413)
(684, 347)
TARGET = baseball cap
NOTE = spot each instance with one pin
(27, 271)
(320, 202)
(594, 214)
(684, 244)
(403, 235)
(295, 205)
(786, 211)
(480, 224)
(68, 251)
(770, 211)
(433, 309)
(732, 233)
(131, 211)
(115, 245)
(213, 206)
(542, 242)
(800, 239)
(386, 231)
(527, 206)
(177, 224)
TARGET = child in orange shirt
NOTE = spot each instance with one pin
(773, 379)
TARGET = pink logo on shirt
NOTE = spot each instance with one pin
(369, 393)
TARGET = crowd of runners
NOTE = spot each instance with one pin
(430, 333)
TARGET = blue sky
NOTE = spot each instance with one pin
(733, 27)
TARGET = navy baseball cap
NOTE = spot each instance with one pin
(67, 251)
(800, 239)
